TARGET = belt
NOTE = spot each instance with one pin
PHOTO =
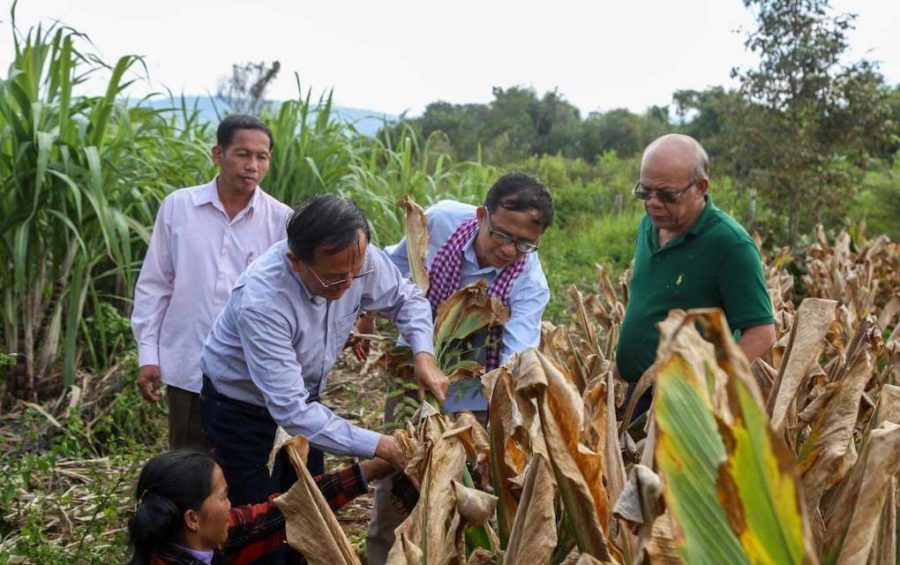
(210, 391)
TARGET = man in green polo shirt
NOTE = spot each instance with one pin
(689, 254)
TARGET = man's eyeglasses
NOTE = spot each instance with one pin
(664, 196)
(522, 246)
(338, 281)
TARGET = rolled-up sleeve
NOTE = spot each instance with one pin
(527, 301)
(401, 300)
(153, 290)
(272, 363)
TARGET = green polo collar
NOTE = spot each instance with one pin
(696, 228)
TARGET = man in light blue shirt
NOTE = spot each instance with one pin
(495, 242)
(266, 360)
(503, 241)
(529, 294)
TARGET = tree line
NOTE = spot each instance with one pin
(804, 131)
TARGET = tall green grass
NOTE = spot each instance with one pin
(81, 177)
(389, 168)
(313, 151)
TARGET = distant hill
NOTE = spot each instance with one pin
(366, 122)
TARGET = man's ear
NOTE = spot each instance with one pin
(480, 213)
(294, 260)
(218, 155)
(702, 186)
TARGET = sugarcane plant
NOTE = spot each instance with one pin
(82, 176)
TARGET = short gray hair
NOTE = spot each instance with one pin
(701, 167)
(701, 159)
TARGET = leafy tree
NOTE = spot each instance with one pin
(514, 126)
(461, 123)
(893, 146)
(878, 203)
(654, 123)
(809, 123)
(708, 116)
(557, 124)
(244, 92)
(617, 130)
(622, 131)
(509, 132)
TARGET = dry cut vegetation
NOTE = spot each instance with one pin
(793, 459)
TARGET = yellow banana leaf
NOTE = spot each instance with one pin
(730, 482)
(689, 453)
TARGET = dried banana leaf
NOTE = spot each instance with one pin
(417, 237)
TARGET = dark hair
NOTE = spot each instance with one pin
(325, 219)
(170, 484)
(227, 127)
(518, 192)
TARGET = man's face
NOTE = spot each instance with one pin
(518, 226)
(330, 275)
(662, 173)
(244, 162)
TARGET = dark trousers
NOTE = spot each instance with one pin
(185, 427)
(241, 436)
(643, 403)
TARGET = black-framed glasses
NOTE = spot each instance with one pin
(349, 277)
(522, 246)
(665, 196)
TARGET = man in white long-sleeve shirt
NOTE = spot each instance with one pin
(267, 358)
(203, 238)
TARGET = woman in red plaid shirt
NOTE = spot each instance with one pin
(183, 514)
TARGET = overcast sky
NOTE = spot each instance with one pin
(395, 56)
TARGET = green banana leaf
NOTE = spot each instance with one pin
(730, 483)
